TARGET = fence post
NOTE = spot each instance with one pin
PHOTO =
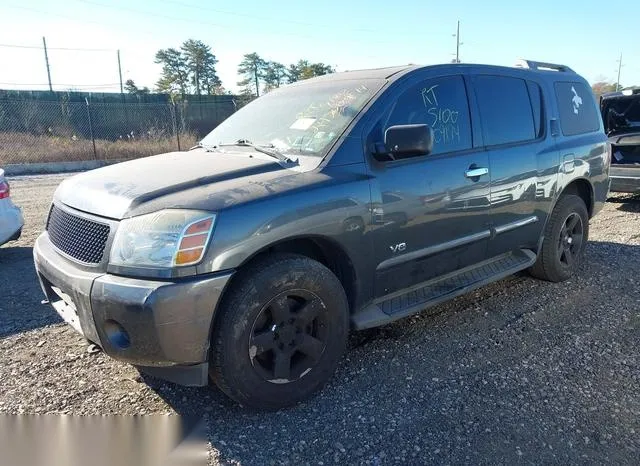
(175, 123)
(93, 139)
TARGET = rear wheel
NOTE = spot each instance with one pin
(280, 332)
(565, 239)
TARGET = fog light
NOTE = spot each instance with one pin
(117, 335)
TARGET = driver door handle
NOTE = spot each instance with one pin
(476, 172)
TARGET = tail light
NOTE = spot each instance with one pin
(4, 190)
(608, 155)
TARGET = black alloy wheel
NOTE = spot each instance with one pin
(570, 240)
(288, 336)
(279, 332)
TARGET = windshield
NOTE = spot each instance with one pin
(302, 119)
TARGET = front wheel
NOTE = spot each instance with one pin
(280, 332)
(565, 239)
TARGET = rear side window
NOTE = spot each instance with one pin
(578, 113)
(505, 110)
(440, 103)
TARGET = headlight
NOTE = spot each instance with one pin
(164, 239)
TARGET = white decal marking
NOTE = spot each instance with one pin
(576, 99)
(303, 123)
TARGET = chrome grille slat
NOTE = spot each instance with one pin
(78, 237)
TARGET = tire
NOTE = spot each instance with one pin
(565, 239)
(268, 354)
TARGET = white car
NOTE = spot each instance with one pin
(10, 215)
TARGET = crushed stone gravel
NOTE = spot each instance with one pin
(519, 372)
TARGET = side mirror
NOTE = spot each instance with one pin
(404, 141)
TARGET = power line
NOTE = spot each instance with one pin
(192, 21)
(77, 20)
(279, 32)
(61, 84)
(148, 13)
(39, 47)
(157, 15)
(141, 12)
(263, 18)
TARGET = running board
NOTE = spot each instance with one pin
(406, 302)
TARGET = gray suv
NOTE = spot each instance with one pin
(342, 202)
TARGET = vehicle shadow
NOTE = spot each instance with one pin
(20, 293)
(388, 399)
(626, 203)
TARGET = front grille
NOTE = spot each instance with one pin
(78, 237)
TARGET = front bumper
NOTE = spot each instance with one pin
(11, 221)
(625, 179)
(163, 327)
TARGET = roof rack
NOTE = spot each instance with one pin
(539, 65)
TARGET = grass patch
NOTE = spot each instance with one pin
(28, 148)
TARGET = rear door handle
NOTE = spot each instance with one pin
(476, 172)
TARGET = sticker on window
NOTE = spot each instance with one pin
(302, 123)
(577, 108)
(576, 99)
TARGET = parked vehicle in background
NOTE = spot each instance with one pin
(345, 201)
(621, 116)
(11, 220)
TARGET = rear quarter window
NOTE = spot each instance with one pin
(578, 112)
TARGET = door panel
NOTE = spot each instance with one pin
(517, 201)
(522, 159)
(431, 213)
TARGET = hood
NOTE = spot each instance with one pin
(621, 112)
(115, 191)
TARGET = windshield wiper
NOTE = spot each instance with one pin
(202, 146)
(265, 149)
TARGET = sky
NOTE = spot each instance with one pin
(349, 35)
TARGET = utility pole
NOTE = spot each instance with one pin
(619, 68)
(46, 60)
(120, 73)
(458, 43)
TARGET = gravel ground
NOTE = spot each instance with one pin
(519, 372)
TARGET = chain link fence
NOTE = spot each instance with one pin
(44, 131)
